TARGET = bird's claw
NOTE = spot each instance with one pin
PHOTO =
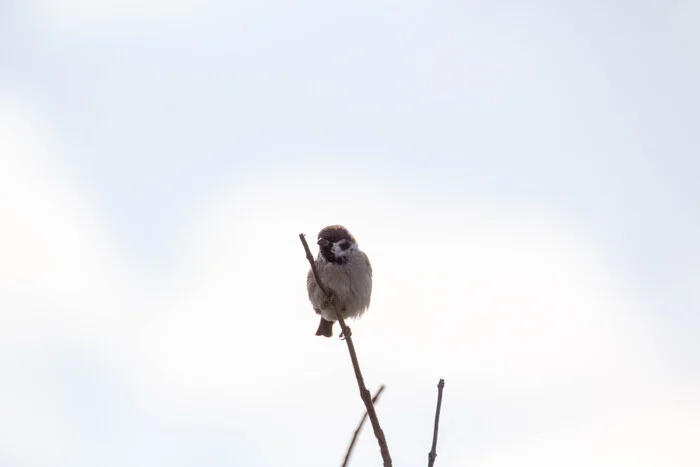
(344, 336)
(330, 298)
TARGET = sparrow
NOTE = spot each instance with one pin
(346, 272)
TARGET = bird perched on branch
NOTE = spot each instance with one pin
(346, 272)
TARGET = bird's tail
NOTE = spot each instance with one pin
(325, 328)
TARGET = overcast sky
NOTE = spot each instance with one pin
(523, 175)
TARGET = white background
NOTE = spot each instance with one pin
(523, 177)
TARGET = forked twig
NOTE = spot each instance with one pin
(364, 392)
(432, 454)
(359, 427)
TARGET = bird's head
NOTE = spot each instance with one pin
(336, 244)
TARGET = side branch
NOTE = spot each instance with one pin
(364, 392)
(432, 454)
(359, 427)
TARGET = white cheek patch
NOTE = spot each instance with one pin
(339, 252)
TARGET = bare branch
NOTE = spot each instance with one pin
(310, 258)
(359, 427)
(364, 392)
(432, 454)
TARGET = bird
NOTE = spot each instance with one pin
(346, 272)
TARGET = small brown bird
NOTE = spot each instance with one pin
(346, 271)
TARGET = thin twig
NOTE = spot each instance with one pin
(310, 258)
(359, 427)
(364, 392)
(432, 454)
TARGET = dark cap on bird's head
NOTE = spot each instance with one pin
(334, 234)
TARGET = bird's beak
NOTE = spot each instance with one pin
(323, 242)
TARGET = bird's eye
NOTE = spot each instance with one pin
(344, 245)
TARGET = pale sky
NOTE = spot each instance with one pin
(523, 177)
